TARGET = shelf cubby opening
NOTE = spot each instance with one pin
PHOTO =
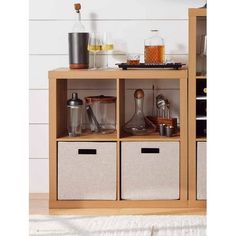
(84, 88)
(170, 89)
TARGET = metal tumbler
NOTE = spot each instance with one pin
(162, 129)
(78, 52)
(170, 130)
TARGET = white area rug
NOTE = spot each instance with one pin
(117, 225)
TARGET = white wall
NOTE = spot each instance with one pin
(129, 23)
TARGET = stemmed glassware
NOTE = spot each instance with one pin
(94, 46)
(107, 45)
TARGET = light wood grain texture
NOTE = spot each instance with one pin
(151, 137)
(193, 14)
(118, 172)
(52, 139)
(201, 77)
(183, 137)
(39, 65)
(117, 204)
(201, 139)
(60, 76)
(61, 112)
(121, 104)
(65, 73)
(38, 204)
(192, 109)
(89, 136)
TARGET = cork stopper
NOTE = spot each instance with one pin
(77, 6)
(139, 93)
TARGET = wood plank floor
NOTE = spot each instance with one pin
(38, 205)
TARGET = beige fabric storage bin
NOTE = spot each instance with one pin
(146, 175)
(87, 170)
(201, 170)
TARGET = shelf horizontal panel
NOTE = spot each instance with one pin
(201, 77)
(201, 118)
(201, 139)
(201, 98)
(149, 137)
(86, 136)
(66, 73)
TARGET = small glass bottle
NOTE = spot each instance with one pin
(74, 115)
(139, 124)
(154, 49)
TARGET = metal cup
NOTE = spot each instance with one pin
(162, 129)
(169, 130)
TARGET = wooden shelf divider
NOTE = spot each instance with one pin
(194, 16)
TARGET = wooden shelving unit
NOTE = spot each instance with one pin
(58, 129)
(197, 26)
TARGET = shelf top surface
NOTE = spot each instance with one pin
(197, 11)
(66, 73)
(114, 137)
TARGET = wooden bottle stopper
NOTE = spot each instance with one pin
(77, 6)
(139, 93)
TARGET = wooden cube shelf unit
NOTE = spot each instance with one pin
(197, 28)
(57, 133)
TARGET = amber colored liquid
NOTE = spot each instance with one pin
(154, 54)
(132, 62)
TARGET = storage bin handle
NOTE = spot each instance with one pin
(87, 151)
(150, 150)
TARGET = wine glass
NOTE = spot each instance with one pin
(94, 46)
(107, 45)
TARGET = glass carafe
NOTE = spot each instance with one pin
(74, 115)
(139, 124)
(154, 49)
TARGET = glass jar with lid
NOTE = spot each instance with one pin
(101, 112)
(154, 49)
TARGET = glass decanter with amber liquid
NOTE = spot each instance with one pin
(154, 49)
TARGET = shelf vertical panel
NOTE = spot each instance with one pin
(120, 122)
(57, 127)
(118, 167)
(61, 107)
(192, 107)
(183, 137)
(52, 140)
(192, 184)
(121, 105)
